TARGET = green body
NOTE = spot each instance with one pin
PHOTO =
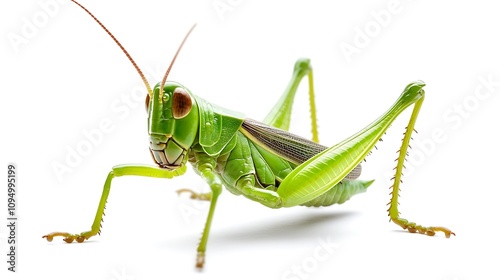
(225, 141)
(260, 161)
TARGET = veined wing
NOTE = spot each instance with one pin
(289, 146)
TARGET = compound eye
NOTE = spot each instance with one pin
(181, 103)
(147, 102)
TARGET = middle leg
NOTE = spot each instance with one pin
(280, 114)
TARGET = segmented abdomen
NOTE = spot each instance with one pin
(339, 194)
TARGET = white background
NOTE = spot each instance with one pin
(67, 76)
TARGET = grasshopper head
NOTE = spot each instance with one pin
(172, 124)
(172, 114)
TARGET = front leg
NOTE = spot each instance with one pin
(206, 166)
(120, 170)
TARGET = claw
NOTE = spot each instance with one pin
(68, 237)
(192, 193)
(444, 230)
(195, 195)
(51, 235)
(200, 260)
(413, 228)
(430, 231)
(48, 237)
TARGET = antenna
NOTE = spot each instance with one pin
(150, 92)
(162, 84)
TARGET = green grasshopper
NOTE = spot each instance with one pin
(260, 160)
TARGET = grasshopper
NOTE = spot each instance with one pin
(261, 161)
